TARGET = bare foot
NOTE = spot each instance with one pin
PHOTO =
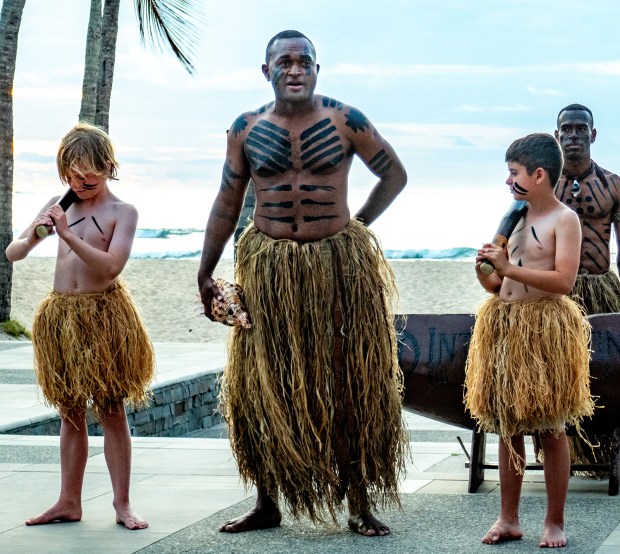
(553, 537)
(368, 525)
(58, 513)
(502, 531)
(256, 518)
(127, 517)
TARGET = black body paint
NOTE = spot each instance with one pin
(228, 175)
(331, 103)
(97, 224)
(520, 189)
(321, 148)
(268, 149)
(380, 163)
(356, 120)
(239, 125)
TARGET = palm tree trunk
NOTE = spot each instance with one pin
(91, 64)
(10, 20)
(107, 54)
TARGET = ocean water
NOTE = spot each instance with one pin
(417, 227)
(187, 244)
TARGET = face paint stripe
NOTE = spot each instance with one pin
(78, 221)
(520, 189)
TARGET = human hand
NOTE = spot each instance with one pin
(58, 219)
(209, 291)
(494, 254)
(41, 228)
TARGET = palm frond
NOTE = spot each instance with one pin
(172, 25)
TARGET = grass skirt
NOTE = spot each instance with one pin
(312, 392)
(92, 349)
(598, 294)
(528, 366)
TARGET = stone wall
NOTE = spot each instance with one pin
(177, 408)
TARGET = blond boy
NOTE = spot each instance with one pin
(90, 345)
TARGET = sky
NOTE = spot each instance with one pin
(450, 84)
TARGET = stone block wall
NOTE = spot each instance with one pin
(177, 408)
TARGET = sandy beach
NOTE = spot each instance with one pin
(165, 291)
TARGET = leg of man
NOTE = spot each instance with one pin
(507, 526)
(73, 458)
(557, 475)
(117, 451)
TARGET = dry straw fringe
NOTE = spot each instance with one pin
(92, 349)
(298, 424)
(528, 367)
(598, 294)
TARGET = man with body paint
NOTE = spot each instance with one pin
(312, 392)
(594, 194)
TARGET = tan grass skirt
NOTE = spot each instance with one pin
(312, 392)
(528, 366)
(92, 349)
(598, 294)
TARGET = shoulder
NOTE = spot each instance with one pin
(244, 121)
(609, 176)
(567, 217)
(123, 209)
(350, 117)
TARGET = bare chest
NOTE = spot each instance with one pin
(317, 148)
(591, 199)
(96, 229)
(532, 245)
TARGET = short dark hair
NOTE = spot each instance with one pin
(574, 108)
(537, 150)
(286, 34)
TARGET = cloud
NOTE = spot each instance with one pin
(447, 136)
(48, 92)
(404, 70)
(545, 91)
(478, 109)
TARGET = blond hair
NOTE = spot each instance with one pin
(86, 149)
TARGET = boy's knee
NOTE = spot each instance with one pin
(112, 411)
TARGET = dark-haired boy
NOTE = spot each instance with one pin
(528, 362)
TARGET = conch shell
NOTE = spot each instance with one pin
(230, 309)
